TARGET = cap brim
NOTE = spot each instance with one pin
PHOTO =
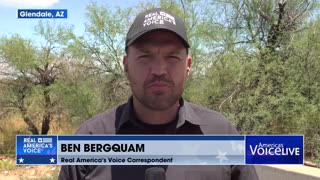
(140, 34)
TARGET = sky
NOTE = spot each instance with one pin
(10, 24)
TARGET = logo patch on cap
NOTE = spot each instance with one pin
(155, 19)
(158, 17)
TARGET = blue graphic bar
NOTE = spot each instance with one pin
(36, 159)
(42, 13)
(36, 149)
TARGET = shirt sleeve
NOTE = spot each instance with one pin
(68, 172)
(241, 172)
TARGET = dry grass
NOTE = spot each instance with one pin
(31, 172)
(9, 128)
(7, 164)
(9, 170)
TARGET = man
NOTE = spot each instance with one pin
(157, 66)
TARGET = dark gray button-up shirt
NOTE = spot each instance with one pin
(191, 119)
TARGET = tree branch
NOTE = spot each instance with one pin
(229, 97)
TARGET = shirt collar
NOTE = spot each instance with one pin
(186, 113)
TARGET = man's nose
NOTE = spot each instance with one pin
(159, 67)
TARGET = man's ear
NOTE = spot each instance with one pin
(189, 62)
(125, 65)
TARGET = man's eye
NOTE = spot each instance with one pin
(144, 59)
(144, 56)
(175, 58)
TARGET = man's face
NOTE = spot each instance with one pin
(157, 66)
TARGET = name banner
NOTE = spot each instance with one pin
(159, 150)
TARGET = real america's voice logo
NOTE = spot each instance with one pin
(274, 149)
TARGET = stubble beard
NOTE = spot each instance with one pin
(157, 101)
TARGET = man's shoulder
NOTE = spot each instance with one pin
(102, 123)
(211, 121)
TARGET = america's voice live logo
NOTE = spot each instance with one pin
(282, 149)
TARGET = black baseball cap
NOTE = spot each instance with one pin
(157, 19)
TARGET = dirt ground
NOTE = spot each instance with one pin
(10, 171)
(31, 172)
